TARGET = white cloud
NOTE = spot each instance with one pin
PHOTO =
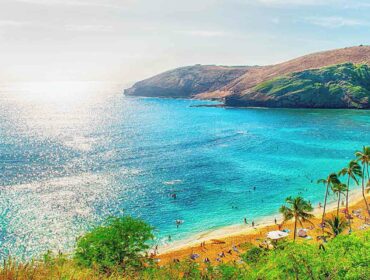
(293, 2)
(12, 23)
(202, 33)
(336, 22)
(89, 27)
(92, 3)
(335, 3)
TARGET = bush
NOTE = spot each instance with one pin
(344, 257)
(119, 243)
(253, 255)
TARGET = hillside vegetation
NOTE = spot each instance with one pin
(338, 86)
(345, 257)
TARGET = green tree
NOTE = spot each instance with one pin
(364, 157)
(254, 254)
(353, 171)
(297, 209)
(120, 242)
(339, 189)
(329, 181)
(336, 225)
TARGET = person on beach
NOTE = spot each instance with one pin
(245, 221)
(275, 221)
(252, 223)
(320, 205)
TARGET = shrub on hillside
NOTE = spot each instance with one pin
(120, 242)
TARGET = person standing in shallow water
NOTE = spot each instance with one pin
(245, 221)
(252, 223)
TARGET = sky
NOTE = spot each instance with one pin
(129, 40)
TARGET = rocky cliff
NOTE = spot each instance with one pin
(186, 82)
(261, 85)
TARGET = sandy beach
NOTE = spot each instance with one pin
(223, 239)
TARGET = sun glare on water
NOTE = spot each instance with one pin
(61, 96)
(47, 109)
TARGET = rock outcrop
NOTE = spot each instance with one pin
(186, 82)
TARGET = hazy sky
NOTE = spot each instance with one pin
(127, 40)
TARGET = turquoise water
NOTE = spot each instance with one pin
(72, 154)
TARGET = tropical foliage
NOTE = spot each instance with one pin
(336, 225)
(331, 180)
(297, 209)
(119, 243)
(338, 190)
(364, 157)
(352, 171)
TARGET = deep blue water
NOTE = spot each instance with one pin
(72, 154)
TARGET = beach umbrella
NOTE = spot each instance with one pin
(277, 234)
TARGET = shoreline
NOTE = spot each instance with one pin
(237, 230)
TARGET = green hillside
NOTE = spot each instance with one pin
(338, 86)
(327, 87)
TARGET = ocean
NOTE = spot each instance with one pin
(74, 153)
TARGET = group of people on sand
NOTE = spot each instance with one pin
(220, 255)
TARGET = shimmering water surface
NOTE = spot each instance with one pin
(72, 154)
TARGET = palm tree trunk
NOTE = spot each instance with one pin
(347, 210)
(338, 205)
(368, 179)
(326, 197)
(363, 190)
(295, 227)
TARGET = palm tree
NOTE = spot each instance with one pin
(339, 189)
(330, 180)
(364, 157)
(353, 170)
(336, 225)
(297, 208)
